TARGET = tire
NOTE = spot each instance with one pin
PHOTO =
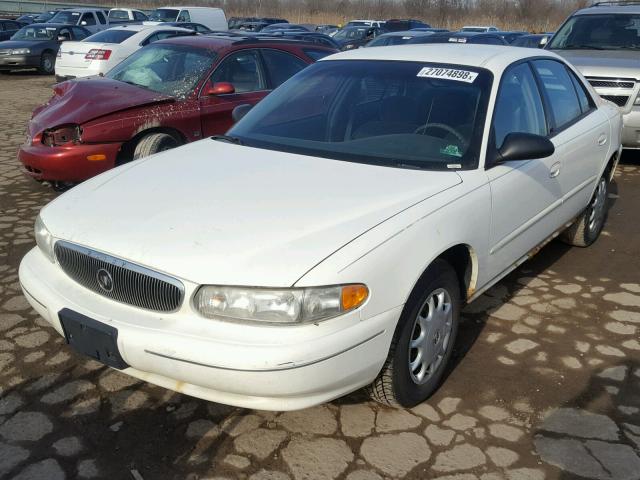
(47, 64)
(400, 384)
(587, 227)
(154, 143)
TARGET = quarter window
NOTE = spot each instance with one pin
(281, 66)
(560, 92)
(242, 70)
(586, 103)
(518, 106)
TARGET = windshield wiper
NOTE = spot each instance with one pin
(227, 138)
(582, 47)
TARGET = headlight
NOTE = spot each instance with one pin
(20, 51)
(62, 135)
(279, 305)
(44, 239)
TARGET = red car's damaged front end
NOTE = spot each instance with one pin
(92, 125)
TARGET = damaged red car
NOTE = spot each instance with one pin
(169, 93)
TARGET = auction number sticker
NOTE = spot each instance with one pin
(448, 74)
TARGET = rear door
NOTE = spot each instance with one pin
(580, 133)
(244, 69)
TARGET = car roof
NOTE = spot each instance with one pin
(406, 33)
(220, 41)
(608, 9)
(492, 57)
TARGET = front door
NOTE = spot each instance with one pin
(243, 69)
(526, 195)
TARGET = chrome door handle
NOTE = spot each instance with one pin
(554, 171)
(602, 140)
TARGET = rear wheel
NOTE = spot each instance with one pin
(589, 224)
(423, 341)
(154, 143)
(47, 63)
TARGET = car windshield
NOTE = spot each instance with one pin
(118, 15)
(172, 70)
(164, 15)
(65, 17)
(351, 34)
(35, 33)
(43, 17)
(599, 32)
(400, 114)
(111, 36)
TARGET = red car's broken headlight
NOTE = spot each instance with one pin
(62, 135)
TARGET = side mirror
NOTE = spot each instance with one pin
(62, 38)
(240, 111)
(524, 146)
(83, 23)
(220, 88)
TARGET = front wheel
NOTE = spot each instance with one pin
(587, 227)
(47, 64)
(154, 143)
(423, 341)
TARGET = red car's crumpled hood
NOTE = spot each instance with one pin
(79, 101)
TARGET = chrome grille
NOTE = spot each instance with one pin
(130, 283)
(619, 100)
(611, 83)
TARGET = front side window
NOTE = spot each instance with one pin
(242, 70)
(599, 32)
(518, 105)
(398, 114)
(281, 66)
(560, 92)
(172, 70)
(35, 33)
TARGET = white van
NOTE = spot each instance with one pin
(214, 18)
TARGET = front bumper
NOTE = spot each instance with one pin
(251, 366)
(67, 163)
(631, 128)
(18, 62)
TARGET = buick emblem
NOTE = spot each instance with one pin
(105, 280)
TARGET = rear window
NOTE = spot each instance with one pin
(111, 36)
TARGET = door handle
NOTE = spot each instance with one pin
(602, 140)
(554, 171)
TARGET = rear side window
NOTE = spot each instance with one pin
(560, 92)
(586, 103)
(111, 36)
(316, 54)
(518, 105)
(101, 18)
(281, 66)
(88, 19)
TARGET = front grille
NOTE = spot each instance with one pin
(619, 100)
(118, 279)
(611, 84)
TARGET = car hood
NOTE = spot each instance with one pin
(79, 101)
(211, 212)
(604, 63)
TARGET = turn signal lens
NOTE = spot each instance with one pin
(96, 158)
(353, 296)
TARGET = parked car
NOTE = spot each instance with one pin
(461, 37)
(396, 25)
(36, 46)
(330, 239)
(396, 38)
(355, 37)
(196, 27)
(26, 19)
(99, 53)
(326, 28)
(213, 18)
(479, 29)
(603, 43)
(168, 93)
(8, 28)
(93, 19)
(510, 37)
(538, 40)
(118, 16)
(251, 26)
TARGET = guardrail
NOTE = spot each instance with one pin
(20, 7)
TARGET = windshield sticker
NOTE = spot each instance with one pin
(448, 74)
(451, 150)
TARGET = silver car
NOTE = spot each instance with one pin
(603, 42)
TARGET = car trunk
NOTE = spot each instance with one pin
(72, 54)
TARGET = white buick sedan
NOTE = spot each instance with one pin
(329, 241)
